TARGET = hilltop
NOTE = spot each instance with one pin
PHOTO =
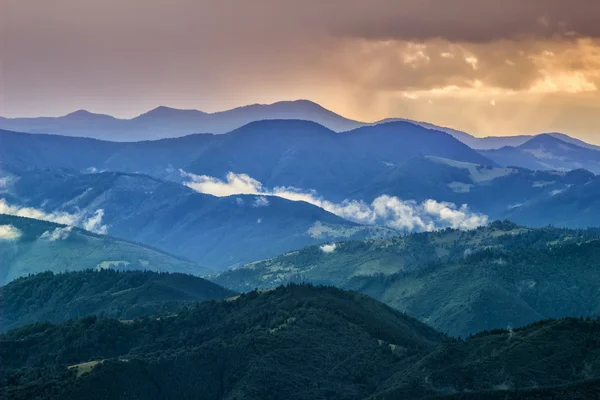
(49, 297)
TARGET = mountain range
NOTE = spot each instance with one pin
(165, 122)
(304, 160)
(292, 153)
(216, 232)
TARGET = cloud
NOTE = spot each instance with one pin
(400, 214)
(261, 201)
(30, 212)
(5, 181)
(9, 233)
(467, 20)
(455, 217)
(365, 59)
(91, 223)
(234, 184)
(384, 210)
(328, 248)
(94, 223)
(57, 234)
(502, 67)
(93, 170)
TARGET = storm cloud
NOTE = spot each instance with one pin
(516, 66)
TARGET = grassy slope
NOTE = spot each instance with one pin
(78, 250)
(390, 256)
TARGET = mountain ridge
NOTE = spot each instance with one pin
(547, 152)
(210, 230)
(238, 116)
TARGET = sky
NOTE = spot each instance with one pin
(486, 67)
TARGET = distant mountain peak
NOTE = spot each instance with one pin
(81, 112)
(572, 140)
(301, 102)
(287, 107)
(546, 139)
(164, 111)
(285, 125)
(86, 114)
(400, 125)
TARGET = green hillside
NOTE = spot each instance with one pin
(543, 355)
(45, 246)
(49, 297)
(295, 342)
(458, 282)
(495, 288)
(342, 261)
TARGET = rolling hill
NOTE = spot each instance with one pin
(494, 288)
(307, 156)
(458, 282)
(556, 359)
(295, 342)
(125, 295)
(340, 262)
(40, 246)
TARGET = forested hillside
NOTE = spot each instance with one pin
(294, 342)
(458, 282)
(49, 297)
(297, 342)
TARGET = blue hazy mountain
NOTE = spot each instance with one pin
(307, 155)
(576, 205)
(547, 152)
(491, 142)
(398, 159)
(213, 231)
(497, 142)
(495, 191)
(165, 122)
(292, 153)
